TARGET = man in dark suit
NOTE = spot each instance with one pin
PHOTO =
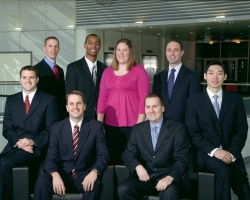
(85, 74)
(27, 119)
(218, 128)
(176, 83)
(51, 75)
(77, 155)
(157, 155)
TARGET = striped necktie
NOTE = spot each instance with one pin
(154, 136)
(171, 82)
(216, 106)
(75, 144)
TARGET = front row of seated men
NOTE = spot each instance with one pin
(157, 153)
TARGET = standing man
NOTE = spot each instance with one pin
(77, 155)
(176, 83)
(218, 128)
(85, 74)
(27, 119)
(51, 76)
(157, 156)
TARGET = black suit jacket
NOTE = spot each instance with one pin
(78, 77)
(35, 125)
(207, 132)
(187, 84)
(170, 156)
(50, 85)
(92, 151)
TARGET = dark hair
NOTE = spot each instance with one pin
(178, 41)
(153, 95)
(29, 68)
(216, 63)
(86, 39)
(132, 60)
(76, 92)
(50, 37)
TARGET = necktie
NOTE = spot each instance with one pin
(27, 104)
(171, 82)
(216, 106)
(75, 144)
(56, 72)
(94, 75)
(154, 136)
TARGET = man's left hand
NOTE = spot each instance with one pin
(88, 182)
(164, 183)
(25, 142)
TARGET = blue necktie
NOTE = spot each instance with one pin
(154, 136)
(216, 106)
(171, 82)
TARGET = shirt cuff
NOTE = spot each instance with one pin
(233, 158)
(211, 154)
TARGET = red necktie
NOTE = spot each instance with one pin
(56, 72)
(75, 144)
(27, 104)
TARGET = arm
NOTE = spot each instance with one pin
(155, 87)
(103, 97)
(58, 185)
(71, 79)
(195, 85)
(141, 118)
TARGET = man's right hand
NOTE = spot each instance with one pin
(223, 155)
(58, 185)
(142, 173)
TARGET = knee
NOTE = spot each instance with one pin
(224, 172)
(5, 164)
(122, 189)
(172, 192)
(43, 180)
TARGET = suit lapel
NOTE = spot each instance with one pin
(224, 105)
(68, 136)
(35, 102)
(208, 104)
(148, 137)
(162, 135)
(85, 70)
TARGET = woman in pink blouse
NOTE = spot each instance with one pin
(124, 85)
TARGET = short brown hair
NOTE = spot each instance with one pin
(132, 60)
(76, 92)
(29, 68)
(51, 37)
(178, 41)
(154, 95)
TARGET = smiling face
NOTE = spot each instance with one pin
(154, 110)
(28, 81)
(92, 46)
(51, 49)
(122, 53)
(174, 53)
(75, 107)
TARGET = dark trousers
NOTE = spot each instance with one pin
(132, 189)
(7, 162)
(44, 187)
(226, 176)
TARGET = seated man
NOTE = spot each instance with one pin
(218, 128)
(158, 151)
(27, 119)
(77, 155)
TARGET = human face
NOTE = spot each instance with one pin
(154, 110)
(215, 77)
(28, 81)
(92, 46)
(174, 53)
(75, 107)
(122, 53)
(51, 49)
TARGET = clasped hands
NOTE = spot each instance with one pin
(161, 185)
(223, 155)
(25, 144)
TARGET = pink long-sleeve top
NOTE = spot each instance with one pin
(121, 98)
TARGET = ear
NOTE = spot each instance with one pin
(205, 76)
(225, 77)
(67, 108)
(182, 52)
(85, 45)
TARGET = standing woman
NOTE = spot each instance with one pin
(124, 85)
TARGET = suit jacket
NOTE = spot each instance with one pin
(171, 154)
(207, 132)
(92, 151)
(50, 85)
(35, 125)
(187, 84)
(78, 77)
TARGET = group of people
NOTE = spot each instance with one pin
(104, 123)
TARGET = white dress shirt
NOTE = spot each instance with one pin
(90, 64)
(177, 69)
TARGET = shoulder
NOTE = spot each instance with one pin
(108, 70)
(190, 71)
(101, 64)
(44, 95)
(232, 95)
(14, 96)
(165, 71)
(77, 63)
(196, 98)
(60, 124)
(40, 64)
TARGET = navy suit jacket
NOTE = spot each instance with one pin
(50, 85)
(207, 132)
(171, 154)
(35, 125)
(78, 77)
(92, 151)
(187, 84)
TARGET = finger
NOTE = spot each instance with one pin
(64, 191)
(91, 187)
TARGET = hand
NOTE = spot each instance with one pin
(142, 173)
(88, 182)
(164, 183)
(223, 155)
(58, 185)
(24, 142)
(28, 149)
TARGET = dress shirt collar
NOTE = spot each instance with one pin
(31, 95)
(211, 96)
(51, 64)
(177, 69)
(157, 125)
(73, 124)
(90, 64)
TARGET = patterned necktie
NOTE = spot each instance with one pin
(216, 106)
(94, 75)
(154, 136)
(56, 72)
(27, 104)
(171, 82)
(75, 144)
